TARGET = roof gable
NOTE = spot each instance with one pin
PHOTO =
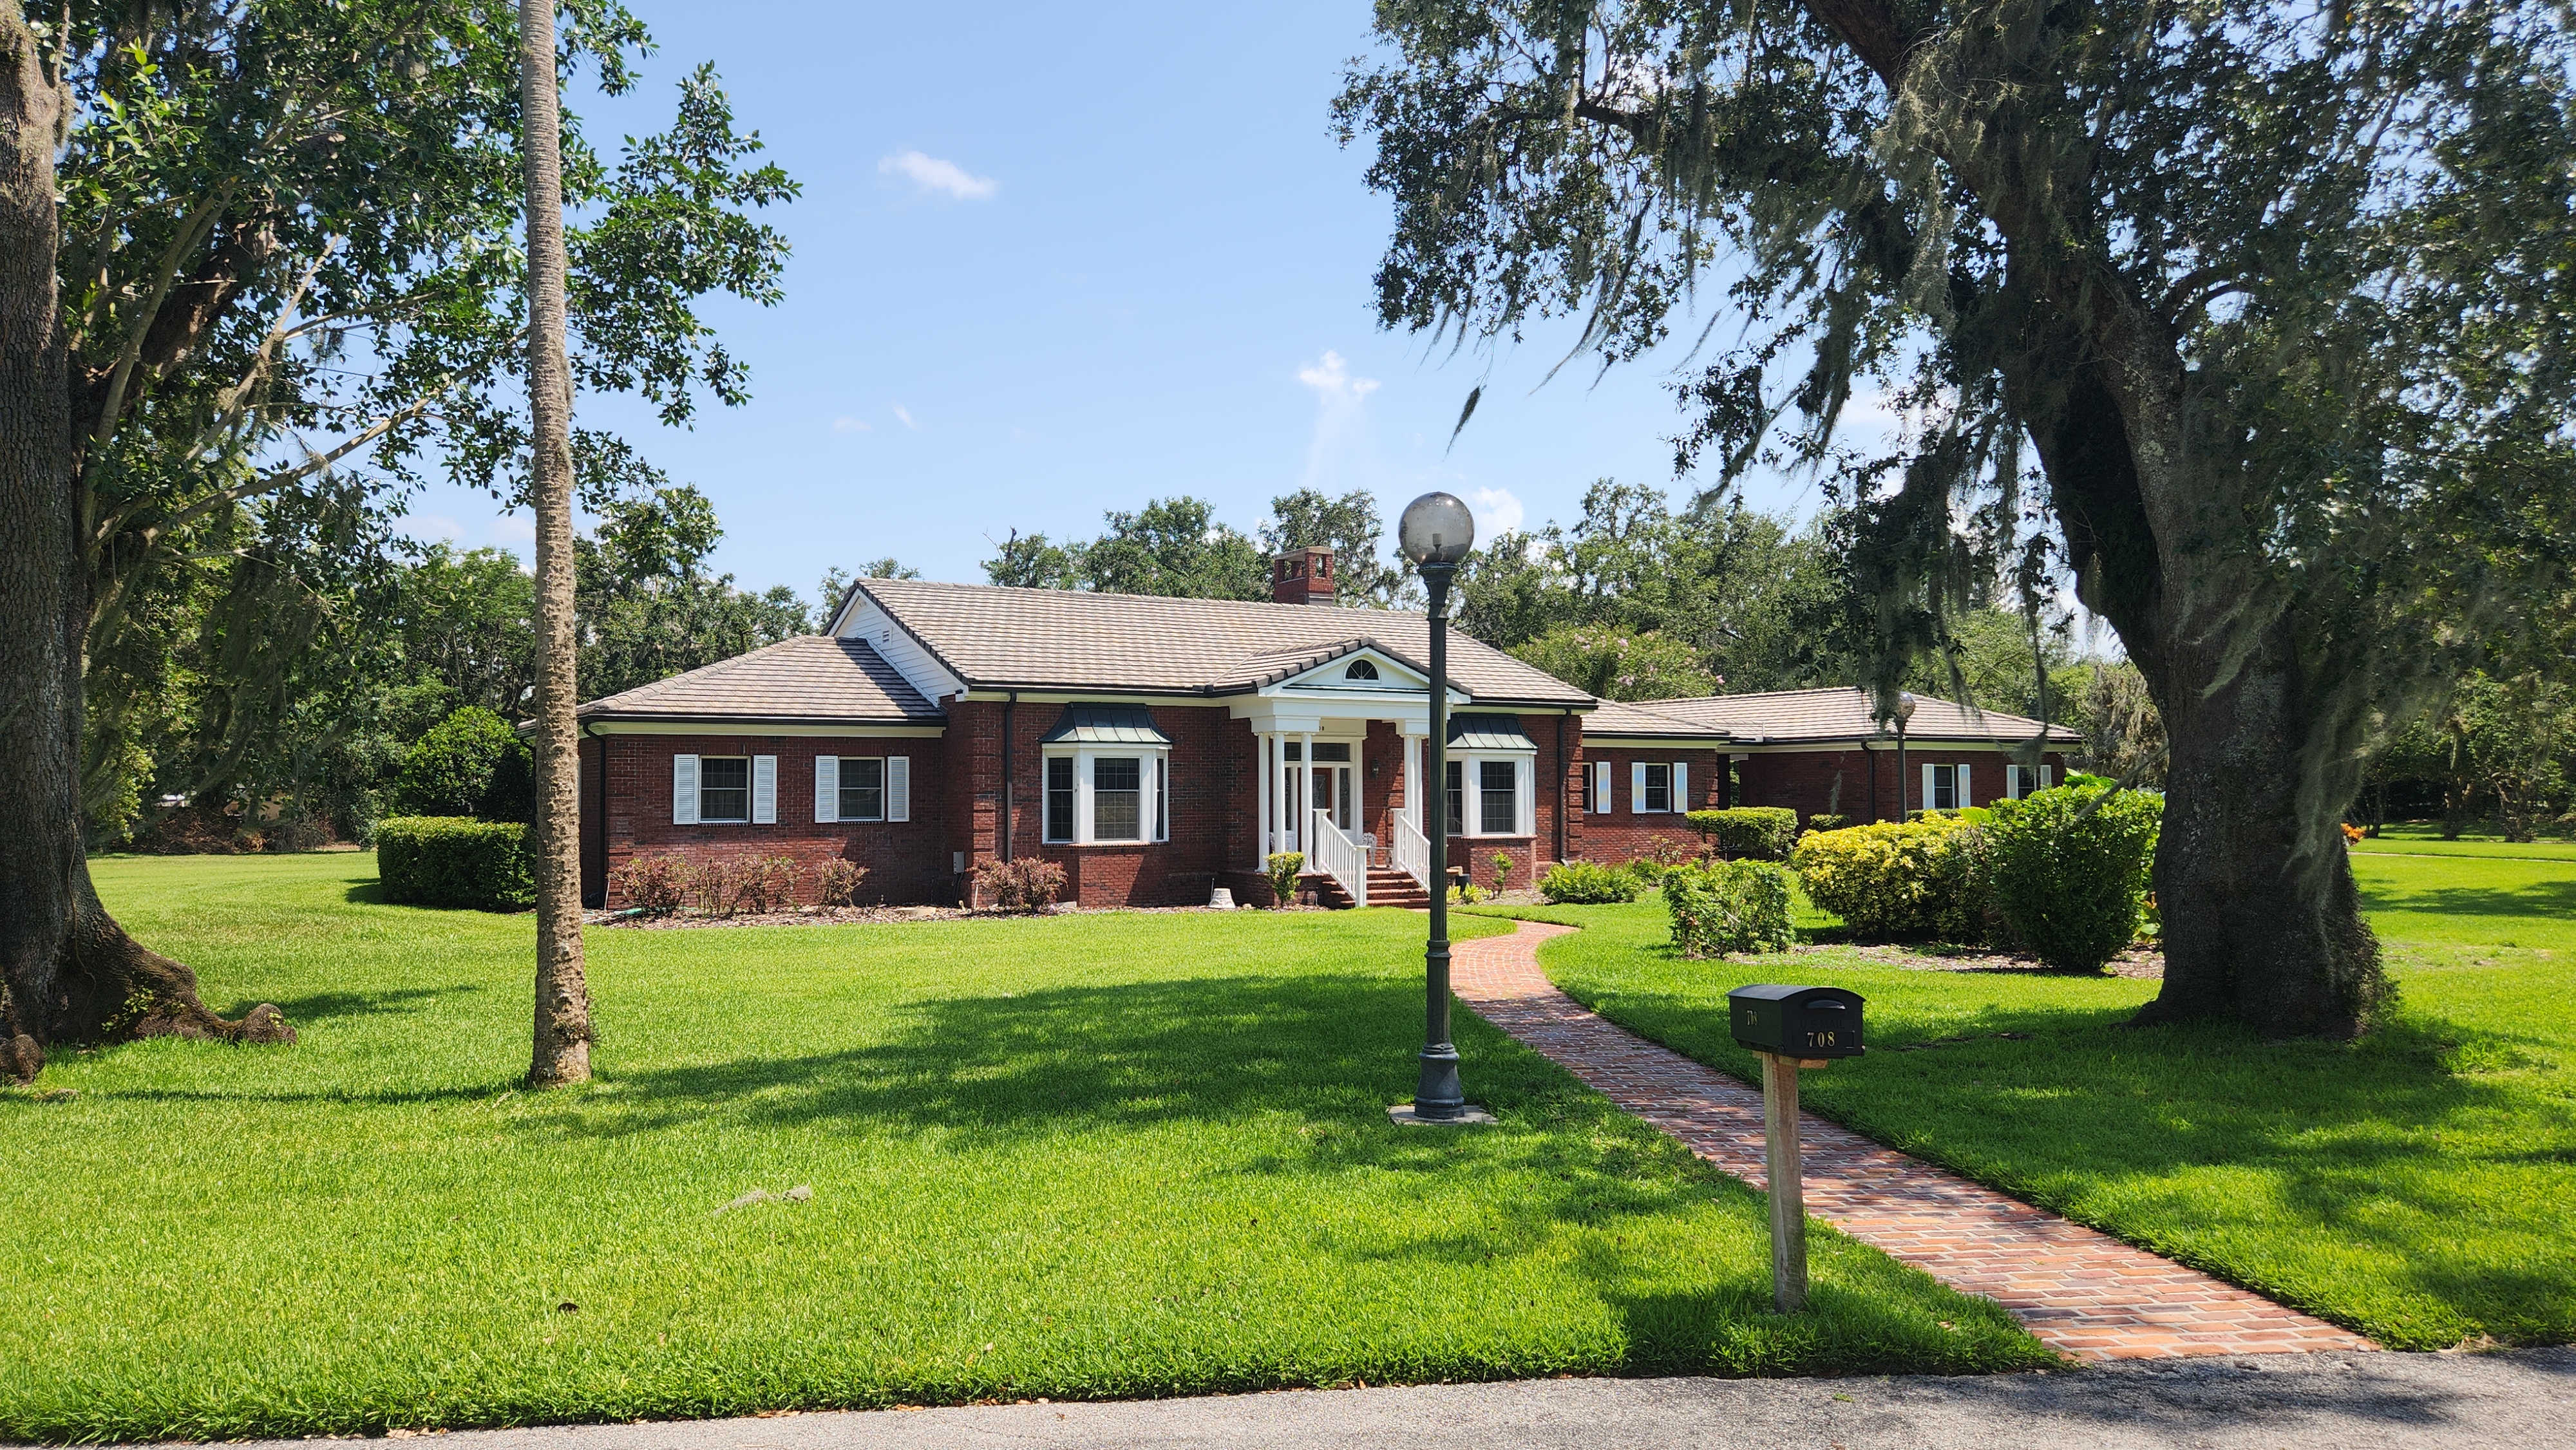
(1054, 639)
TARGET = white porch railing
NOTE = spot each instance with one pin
(1412, 851)
(1337, 855)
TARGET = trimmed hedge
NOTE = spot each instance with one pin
(1917, 880)
(1729, 906)
(457, 861)
(1750, 833)
(1588, 883)
(2074, 890)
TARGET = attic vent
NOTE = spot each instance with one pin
(1361, 670)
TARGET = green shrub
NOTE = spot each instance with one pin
(653, 885)
(1751, 833)
(454, 861)
(1729, 906)
(1283, 868)
(469, 764)
(2073, 887)
(1588, 883)
(1910, 881)
(1823, 822)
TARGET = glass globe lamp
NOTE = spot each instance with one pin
(1436, 529)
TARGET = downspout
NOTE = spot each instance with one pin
(1560, 787)
(1870, 757)
(1009, 793)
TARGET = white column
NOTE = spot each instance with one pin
(1306, 794)
(1261, 819)
(1413, 780)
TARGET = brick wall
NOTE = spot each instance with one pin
(1811, 782)
(1626, 834)
(906, 861)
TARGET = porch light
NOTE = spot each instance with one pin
(1436, 529)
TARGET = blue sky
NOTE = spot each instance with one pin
(1049, 263)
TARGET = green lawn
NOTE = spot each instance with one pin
(1097, 1155)
(2416, 838)
(2419, 1185)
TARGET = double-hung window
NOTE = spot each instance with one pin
(1658, 782)
(862, 788)
(724, 789)
(1059, 797)
(2022, 780)
(1117, 798)
(1945, 787)
(1499, 797)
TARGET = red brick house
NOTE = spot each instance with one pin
(1155, 748)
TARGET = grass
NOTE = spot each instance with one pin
(2420, 838)
(1083, 1156)
(2415, 1185)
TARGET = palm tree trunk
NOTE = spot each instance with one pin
(562, 1047)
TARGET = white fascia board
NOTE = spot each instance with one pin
(866, 619)
(760, 729)
(1880, 744)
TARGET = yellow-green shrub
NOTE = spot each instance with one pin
(1729, 906)
(1900, 881)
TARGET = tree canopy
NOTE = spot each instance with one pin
(2264, 307)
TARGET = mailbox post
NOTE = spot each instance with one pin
(1791, 1028)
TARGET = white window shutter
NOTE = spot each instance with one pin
(684, 790)
(764, 790)
(2043, 776)
(1636, 786)
(1930, 775)
(1964, 802)
(898, 788)
(827, 789)
(1681, 786)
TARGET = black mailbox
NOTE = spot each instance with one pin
(1800, 1022)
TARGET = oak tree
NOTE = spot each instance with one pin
(2258, 313)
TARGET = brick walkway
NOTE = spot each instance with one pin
(2082, 1292)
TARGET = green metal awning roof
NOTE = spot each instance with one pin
(1488, 732)
(1105, 725)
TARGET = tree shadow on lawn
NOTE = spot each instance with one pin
(2382, 1145)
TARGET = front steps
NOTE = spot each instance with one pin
(1386, 887)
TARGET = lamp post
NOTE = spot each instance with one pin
(1904, 712)
(1436, 532)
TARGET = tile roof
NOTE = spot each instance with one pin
(1620, 720)
(1062, 639)
(810, 678)
(1782, 717)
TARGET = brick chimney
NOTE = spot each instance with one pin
(1302, 576)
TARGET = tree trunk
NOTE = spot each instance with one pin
(2262, 921)
(68, 972)
(562, 1048)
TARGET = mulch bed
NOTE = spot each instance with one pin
(864, 915)
(2143, 962)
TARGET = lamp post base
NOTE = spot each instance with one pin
(1466, 1115)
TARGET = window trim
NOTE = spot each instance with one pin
(748, 788)
(1153, 811)
(1646, 806)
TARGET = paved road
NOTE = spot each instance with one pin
(2302, 1402)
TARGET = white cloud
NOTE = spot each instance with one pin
(1496, 510)
(1338, 455)
(904, 415)
(513, 529)
(846, 424)
(946, 177)
(434, 529)
(1331, 379)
